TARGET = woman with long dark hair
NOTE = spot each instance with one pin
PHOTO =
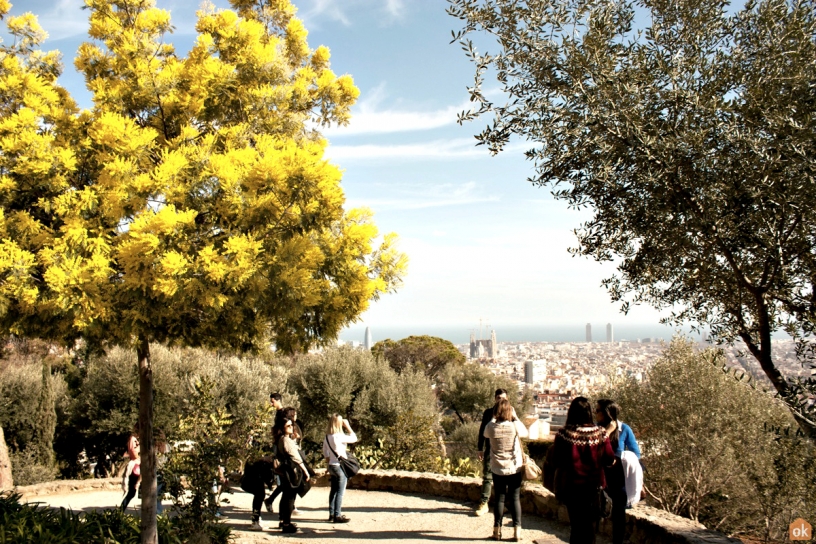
(505, 432)
(132, 476)
(582, 450)
(289, 455)
(622, 439)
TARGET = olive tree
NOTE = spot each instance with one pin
(687, 128)
(717, 449)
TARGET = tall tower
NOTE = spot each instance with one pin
(589, 332)
(494, 347)
(610, 336)
(368, 341)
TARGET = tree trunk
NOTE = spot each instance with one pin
(148, 454)
(6, 480)
(763, 355)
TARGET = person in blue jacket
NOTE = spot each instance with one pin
(622, 439)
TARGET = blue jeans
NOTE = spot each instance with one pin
(338, 486)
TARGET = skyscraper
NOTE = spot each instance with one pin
(589, 332)
(368, 341)
(610, 337)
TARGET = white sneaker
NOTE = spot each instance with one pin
(255, 527)
(295, 512)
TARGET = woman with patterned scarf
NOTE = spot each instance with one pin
(581, 451)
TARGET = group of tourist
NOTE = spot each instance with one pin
(287, 470)
(593, 460)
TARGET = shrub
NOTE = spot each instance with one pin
(26, 421)
(33, 524)
(709, 447)
(367, 391)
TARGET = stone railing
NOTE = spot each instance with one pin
(64, 487)
(645, 525)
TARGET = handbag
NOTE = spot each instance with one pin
(349, 464)
(604, 504)
(304, 488)
(531, 470)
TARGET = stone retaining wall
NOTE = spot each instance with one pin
(65, 487)
(645, 525)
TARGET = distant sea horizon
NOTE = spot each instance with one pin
(517, 333)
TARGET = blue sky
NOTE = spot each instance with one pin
(482, 241)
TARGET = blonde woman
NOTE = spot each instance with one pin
(505, 432)
(338, 434)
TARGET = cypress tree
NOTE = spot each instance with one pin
(46, 419)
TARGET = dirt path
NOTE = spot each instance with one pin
(375, 517)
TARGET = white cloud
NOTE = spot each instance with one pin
(369, 118)
(63, 19)
(437, 149)
(459, 148)
(395, 8)
(418, 197)
(329, 9)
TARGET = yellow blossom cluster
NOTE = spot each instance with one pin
(192, 203)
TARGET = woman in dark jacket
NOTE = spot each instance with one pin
(289, 453)
(582, 450)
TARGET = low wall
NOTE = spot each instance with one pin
(645, 525)
(65, 487)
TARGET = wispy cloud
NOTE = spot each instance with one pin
(61, 19)
(329, 9)
(417, 197)
(395, 8)
(371, 118)
(338, 10)
(437, 149)
(459, 148)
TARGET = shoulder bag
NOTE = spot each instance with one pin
(349, 463)
(531, 469)
(604, 504)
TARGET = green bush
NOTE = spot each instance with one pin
(27, 469)
(105, 410)
(469, 389)
(34, 524)
(369, 393)
(21, 416)
(710, 446)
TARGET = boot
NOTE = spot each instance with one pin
(517, 533)
(496, 533)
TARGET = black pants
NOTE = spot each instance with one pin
(133, 479)
(581, 506)
(616, 489)
(258, 495)
(508, 490)
(287, 504)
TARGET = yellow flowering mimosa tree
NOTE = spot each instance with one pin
(191, 204)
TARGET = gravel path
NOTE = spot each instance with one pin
(376, 516)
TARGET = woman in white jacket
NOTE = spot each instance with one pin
(334, 447)
(505, 432)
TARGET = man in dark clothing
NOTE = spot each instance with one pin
(484, 455)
